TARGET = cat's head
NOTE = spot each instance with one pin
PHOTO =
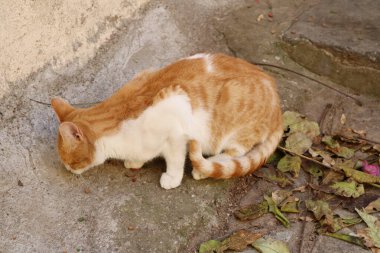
(75, 143)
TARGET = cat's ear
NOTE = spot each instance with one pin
(61, 108)
(70, 133)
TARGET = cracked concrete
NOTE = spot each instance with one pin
(110, 209)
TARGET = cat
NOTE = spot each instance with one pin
(214, 104)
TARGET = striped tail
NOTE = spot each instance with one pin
(225, 166)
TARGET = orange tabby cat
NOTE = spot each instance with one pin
(223, 106)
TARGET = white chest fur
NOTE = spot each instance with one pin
(144, 138)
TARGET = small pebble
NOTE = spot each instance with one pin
(19, 183)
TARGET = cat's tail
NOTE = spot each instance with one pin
(225, 166)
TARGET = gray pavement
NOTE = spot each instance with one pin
(44, 208)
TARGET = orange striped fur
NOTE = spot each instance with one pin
(239, 101)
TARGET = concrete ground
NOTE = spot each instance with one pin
(86, 52)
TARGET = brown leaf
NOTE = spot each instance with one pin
(373, 206)
(252, 212)
(239, 240)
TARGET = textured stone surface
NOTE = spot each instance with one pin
(341, 40)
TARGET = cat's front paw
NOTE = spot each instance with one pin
(133, 164)
(169, 182)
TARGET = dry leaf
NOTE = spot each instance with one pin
(252, 212)
(373, 206)
(270, 246)
(238, 241)
(290, 163)
(298, 143)
(371, 234)
(337, 149)
(279, 196)
(348, 189)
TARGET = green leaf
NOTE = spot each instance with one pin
(277, 213)
(252, 212)
(348, 238)
(371, 234)
(319, 208)
(337, 149)
(210, 246)
(313, 169)
(290, 207)
(309, 128)
(290, 118)
(270, 246)
(275, 176)
(358, 176)
(298, 143)
(275, 157)
(348, 189)
(290, 163)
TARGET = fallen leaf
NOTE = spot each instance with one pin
(313, 169)
(327, 160)
(270, 175)
(277, 213)
(348, 238)
(298, 143)
(362, 133)
(373, 206)
(275, 157)
(313, 153)
(290, 163)
(371, 234)
(336, 148)
(302, 188)
(360, 202)
(309, 128)
(239, 240)
(253, 211)
(210, 246)
(279, 196)
(270, 246)
(290, 205)
(359, 176)
(319, 208)
(348, 189)
(290, 118)
(332, 177)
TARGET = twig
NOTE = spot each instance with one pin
(357, 101)
(305, 157)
